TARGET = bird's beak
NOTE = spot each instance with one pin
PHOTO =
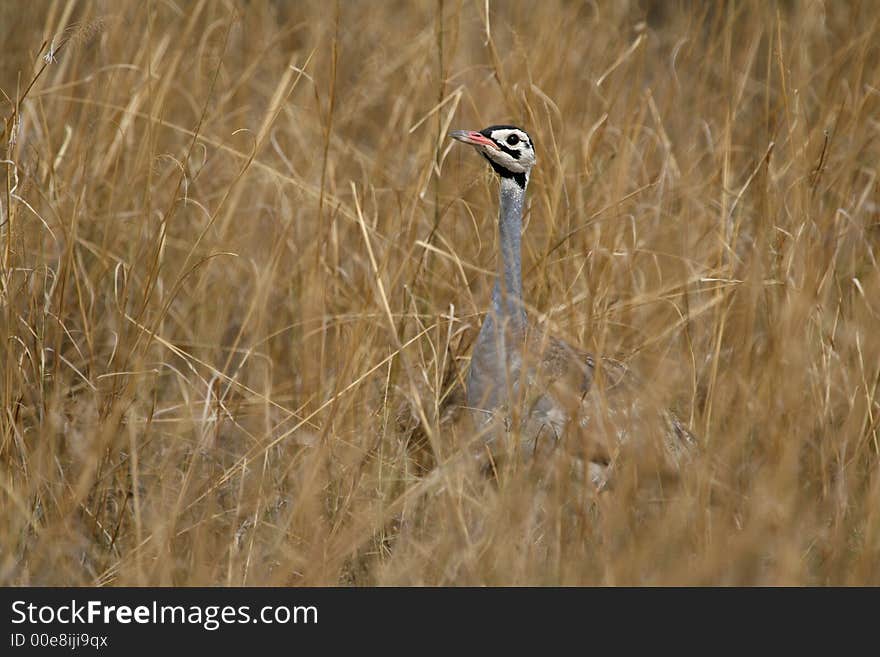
(473, 138)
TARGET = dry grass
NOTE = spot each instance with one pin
(241, 268)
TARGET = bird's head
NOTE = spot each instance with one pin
(508, 149)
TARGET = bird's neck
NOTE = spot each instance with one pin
(507, 295)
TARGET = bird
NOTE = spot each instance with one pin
(529, 382)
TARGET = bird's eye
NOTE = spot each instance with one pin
(513, 140)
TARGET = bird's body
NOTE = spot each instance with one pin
(520, 373)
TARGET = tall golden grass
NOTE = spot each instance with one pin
(242, 266)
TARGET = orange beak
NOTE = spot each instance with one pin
(472, 137)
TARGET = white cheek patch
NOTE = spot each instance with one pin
(505, 160)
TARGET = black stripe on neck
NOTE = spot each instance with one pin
(519, 178)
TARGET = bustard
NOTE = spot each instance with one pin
(519, 373)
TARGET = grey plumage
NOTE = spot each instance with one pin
(519, 373)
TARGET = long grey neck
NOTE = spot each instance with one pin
(507, 295)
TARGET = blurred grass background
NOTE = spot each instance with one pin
(207, 205)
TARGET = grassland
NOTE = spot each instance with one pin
(241, 266)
